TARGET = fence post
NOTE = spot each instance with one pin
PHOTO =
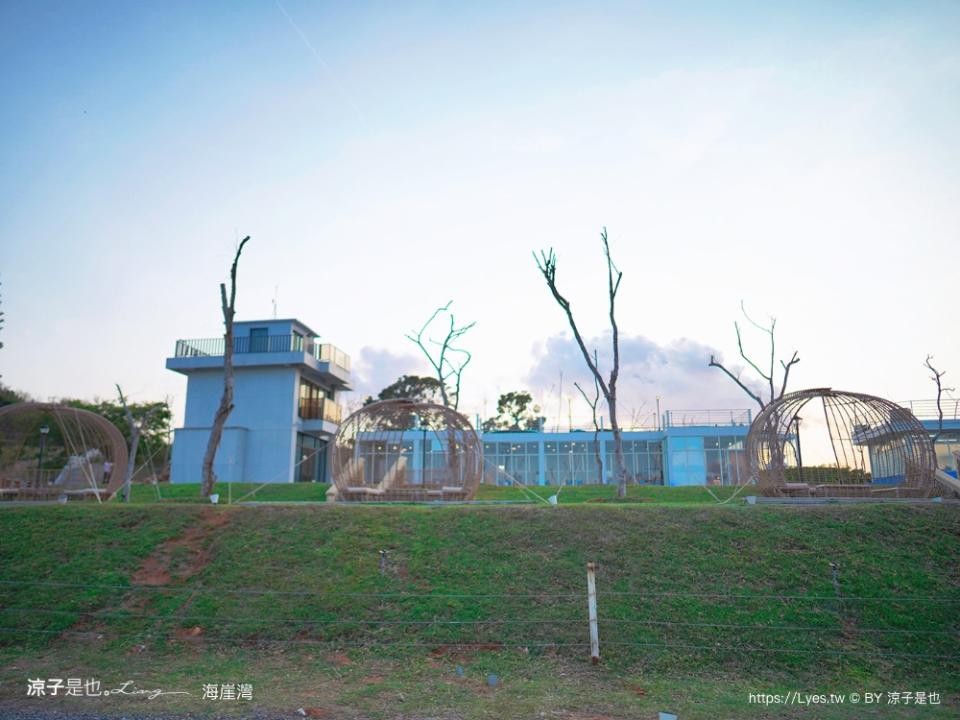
(592, 609)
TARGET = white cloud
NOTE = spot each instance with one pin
(676, 371)
(375, 368)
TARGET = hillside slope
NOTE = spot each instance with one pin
(747, 593)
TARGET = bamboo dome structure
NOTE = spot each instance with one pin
(50, 451)
(874, 447)
(406, 450)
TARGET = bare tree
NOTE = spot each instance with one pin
(936, 376)
(226, 400)
(769, 375)
(547, 264)
(135, 428)
(636, 415)
(447, 360)
(593, 402)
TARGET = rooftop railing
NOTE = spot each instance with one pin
(687, 418)
(214, 347)
(927, 409)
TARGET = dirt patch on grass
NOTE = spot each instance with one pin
(184, 556)
(339, 659)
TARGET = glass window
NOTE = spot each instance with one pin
(258, 339)
(310, 460)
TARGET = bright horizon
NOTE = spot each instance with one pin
(387, 160)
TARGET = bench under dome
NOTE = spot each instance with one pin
(831, 443)
(406, 450)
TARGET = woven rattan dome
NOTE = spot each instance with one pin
(81, 455)
(873, 447)
(406, 450)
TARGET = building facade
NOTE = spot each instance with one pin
(287, 392)
(946, 431)
(286, 410)
(692, 448)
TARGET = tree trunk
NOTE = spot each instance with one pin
(223, 412)
(619, 463)
(226, 401)
(596, 453)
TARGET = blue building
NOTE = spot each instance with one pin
(287, 388)
(689, 448)
(286, 391)
(947, 445)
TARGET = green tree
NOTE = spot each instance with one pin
(409, 387)
(156, 417)
(515, 412)
(8, 396)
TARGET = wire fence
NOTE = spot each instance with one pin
(631, 623)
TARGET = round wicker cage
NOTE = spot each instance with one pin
(55, 451)
(406, 450)
(874, 448)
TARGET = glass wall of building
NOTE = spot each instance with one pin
(886, 464)
(569, 463)
(310, 460)
(726, 462)
(311, 400)
(434, 469)
(380, 456)
(570, 459)
(946, 445)
(514, 461)
(643, 460)
(687, 461)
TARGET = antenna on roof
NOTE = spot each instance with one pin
(276, 289)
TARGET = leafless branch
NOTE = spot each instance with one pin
(736, 378)
(443, 366)
(598, 459)
(547, 264)
(768, 376)
(786, 372)
(936, 376)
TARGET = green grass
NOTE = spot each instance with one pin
(675, 558)
(316, 492)
(190, 492)
(608, 493)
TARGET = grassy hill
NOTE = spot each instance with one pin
(699, 605)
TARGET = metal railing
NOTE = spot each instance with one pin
(688, 418)
(927, 409)
(214, 347)
(326, 352)
(321, 409)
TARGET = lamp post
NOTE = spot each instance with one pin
(44, 431)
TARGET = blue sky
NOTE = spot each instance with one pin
(387, 158)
